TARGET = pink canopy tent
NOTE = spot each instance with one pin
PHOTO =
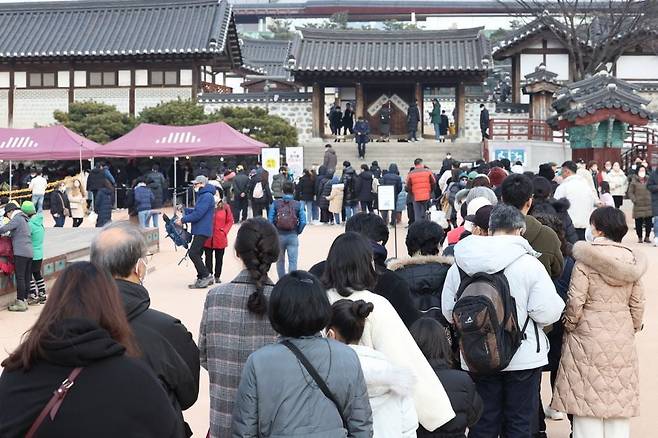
(51, 143)
(214, 139)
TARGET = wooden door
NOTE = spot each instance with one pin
(398, 117)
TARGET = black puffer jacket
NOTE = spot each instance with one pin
(351, 188)
(166, 345)
(464, 399)
(425, 276)
(557, 207)
(324, 191)
(96, 179)
(365, 186)
(392, 178)
(305, 189)
(114, 395)
(58, 202)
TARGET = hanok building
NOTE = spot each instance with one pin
(268, 58)
(536, 43)
(132, 54)
(397, 67)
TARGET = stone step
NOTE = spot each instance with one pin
(403, 154)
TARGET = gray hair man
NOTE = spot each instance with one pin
(536, 302)
(166, 345)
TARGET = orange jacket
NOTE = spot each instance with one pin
(420, 183)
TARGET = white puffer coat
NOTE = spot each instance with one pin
(390, 390)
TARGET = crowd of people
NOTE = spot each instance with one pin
(509, 274)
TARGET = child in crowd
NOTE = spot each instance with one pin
(389, 387)
(467, 404)
(217, 243)
(606, 198)
(37, 232)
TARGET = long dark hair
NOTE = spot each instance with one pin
(257, 245)
(81, 291)
(431, 338)
(350, 265)
(348, 318)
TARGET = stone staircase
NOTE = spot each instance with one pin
(403, 154)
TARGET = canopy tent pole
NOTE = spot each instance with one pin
(10, 180)
(175, 185)
(80, 160)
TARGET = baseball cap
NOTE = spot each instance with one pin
(481, 218)
(201, 179)
(472, 175)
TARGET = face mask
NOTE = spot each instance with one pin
(62, 189)
(641, 174)
(588, 234)
(196, 189)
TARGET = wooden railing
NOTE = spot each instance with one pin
(523, 129)
(642, 142)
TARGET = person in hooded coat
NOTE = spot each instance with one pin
(164, 342)
(323, 191)
(598, 378)
(389, 386)
(391, 178)
(82, 325)
(103, 204)
(544, 203)
(516, 387)
(330, 160)
(425, 271)
(413, 117)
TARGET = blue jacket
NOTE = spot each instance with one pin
(201, 216)
(104, 202)
(301, 214)
(143, 198)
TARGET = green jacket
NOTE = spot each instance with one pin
(38, 232)
(436, 114)
(545, 241)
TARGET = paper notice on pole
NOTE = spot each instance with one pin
(386, 198)
(295, 161)
(271, 159)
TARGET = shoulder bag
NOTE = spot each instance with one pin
(55, 402)
(314, 374)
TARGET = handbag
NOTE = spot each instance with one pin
(55, 402)
(314, 374)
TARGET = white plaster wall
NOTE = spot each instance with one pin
(4, 79)
(119, 97)
(147, 97)
(34, 106)
(529, 62)
(653, 97)
(559, 64)
(4, 108)
(234, 83)
(637, 67)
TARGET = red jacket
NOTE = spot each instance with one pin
(223, 221)
(420, 183)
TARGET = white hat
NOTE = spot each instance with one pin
(473, 206)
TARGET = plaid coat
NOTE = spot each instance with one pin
(229, 333)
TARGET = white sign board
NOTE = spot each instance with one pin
(377, 105)
(386, 198)
(400, 103)
(295, 161)
(271, 159)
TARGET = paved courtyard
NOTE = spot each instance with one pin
(167, 284)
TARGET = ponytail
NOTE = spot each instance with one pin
(257, 245)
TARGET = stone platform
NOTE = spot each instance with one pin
(61, 247)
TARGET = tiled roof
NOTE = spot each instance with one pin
(391, 51)
(116, 28)
(266, 56)
(599, 92)
(543, 24)
(541, 75)
(255, 98)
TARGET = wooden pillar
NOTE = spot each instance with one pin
(460, 102)
(318, 110)
(72, 85)
(196, 81)
(418, 94)
(516, 79)
(10, 99)
(131, 93)
(360, 102)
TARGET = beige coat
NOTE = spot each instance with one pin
(336, 198)
(598, 374)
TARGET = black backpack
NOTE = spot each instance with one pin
(486, 322)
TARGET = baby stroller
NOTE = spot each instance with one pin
(178, 234)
